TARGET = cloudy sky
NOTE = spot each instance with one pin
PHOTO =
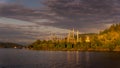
(28, 20)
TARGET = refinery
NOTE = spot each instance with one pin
(72, 37)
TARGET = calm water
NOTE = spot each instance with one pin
(20, 58)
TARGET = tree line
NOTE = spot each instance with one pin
(107, 40)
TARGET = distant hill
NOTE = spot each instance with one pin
(10, 45)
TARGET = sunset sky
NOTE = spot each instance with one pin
(28, 20)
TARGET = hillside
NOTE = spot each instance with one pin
(112, 28)
(111, 35)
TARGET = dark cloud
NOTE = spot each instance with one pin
(19, 12)
(82, 14)
(66, 13)
(80, 7)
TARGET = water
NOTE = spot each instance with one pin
(20, 58)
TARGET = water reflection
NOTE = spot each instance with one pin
(87, 59)
(70, 55)
(15, 58)
(77, 57)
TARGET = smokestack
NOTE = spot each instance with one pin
(77, 36)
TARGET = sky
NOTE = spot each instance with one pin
(28, 20)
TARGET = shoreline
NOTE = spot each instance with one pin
(82, 50)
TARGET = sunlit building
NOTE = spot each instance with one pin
(87, 39)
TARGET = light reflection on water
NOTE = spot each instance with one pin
(20, 58)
